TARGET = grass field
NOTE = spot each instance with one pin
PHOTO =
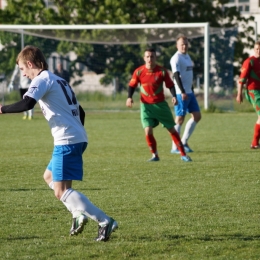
(207, 209)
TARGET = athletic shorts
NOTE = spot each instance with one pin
(186, 106)
(253, 96)
(66, 162)
(153, 114)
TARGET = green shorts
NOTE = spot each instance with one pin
(153, 114)
(253, 96)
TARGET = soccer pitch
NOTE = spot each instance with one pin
(206, 209)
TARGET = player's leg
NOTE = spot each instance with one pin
(149, 121)
(256, 135)
(194, 110)
(151, 142)
(253, 96)
(30, 114)
(164, 116)
(67, 164)
(180, 112)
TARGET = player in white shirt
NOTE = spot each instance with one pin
(66, 120)
(182, 68)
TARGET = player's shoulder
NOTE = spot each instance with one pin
(176, 56)
(139, 70)
(160, 68)
(250, 60)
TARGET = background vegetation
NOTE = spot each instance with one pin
(96, 57)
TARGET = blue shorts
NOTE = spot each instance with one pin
(66, 162)
(186, 106)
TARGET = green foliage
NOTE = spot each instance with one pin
(206, 209)
(13, 96)
(118, 12)
(213, 109)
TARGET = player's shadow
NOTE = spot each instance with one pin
(41, 189)
(214, 237)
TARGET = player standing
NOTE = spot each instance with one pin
(66, 119)
(250, 76)
(182, 68)
(154, 108)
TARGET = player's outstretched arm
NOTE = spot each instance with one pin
(23, 105)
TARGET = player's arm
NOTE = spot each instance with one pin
(179, 82)
(239, 97)
(177, 77)
(242, 80)
(25, 104)
(173, 92)
(81, 115)
(129, 100)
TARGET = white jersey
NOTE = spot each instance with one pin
(59, 106)
(183, 64)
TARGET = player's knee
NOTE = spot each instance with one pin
(196, 116)
(47, 176)
(179, 120)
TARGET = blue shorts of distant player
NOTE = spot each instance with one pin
(189, 105)
(66, 162)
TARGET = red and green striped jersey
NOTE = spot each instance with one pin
(250, 73)
(151, 83)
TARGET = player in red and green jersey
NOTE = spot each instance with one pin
(250, 75)
(154, 108)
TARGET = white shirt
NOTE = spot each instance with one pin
(183, 64)
(59, 106)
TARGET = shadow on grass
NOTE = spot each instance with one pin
(23, 238)
(22, 189)
(214, 238)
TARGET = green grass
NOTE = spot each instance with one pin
(207, 209)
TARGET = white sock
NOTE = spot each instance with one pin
(30, 112)
(178, 129)
(79, 203)
(189, 128)
(51, 185)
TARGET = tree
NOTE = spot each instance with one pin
(110, 59)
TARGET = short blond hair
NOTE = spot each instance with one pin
(181, 36)
(34, 55)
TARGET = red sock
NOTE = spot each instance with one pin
(256, 137)
(152, 144)
(177, 140)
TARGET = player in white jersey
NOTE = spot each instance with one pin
(66, 120)
(182, 68)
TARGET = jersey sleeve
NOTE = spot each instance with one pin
(37, 89)
(244, 71)
(134, 80)
(175, 63)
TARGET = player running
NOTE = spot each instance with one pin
(250, 77)
(66, 120)
(154, 108)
